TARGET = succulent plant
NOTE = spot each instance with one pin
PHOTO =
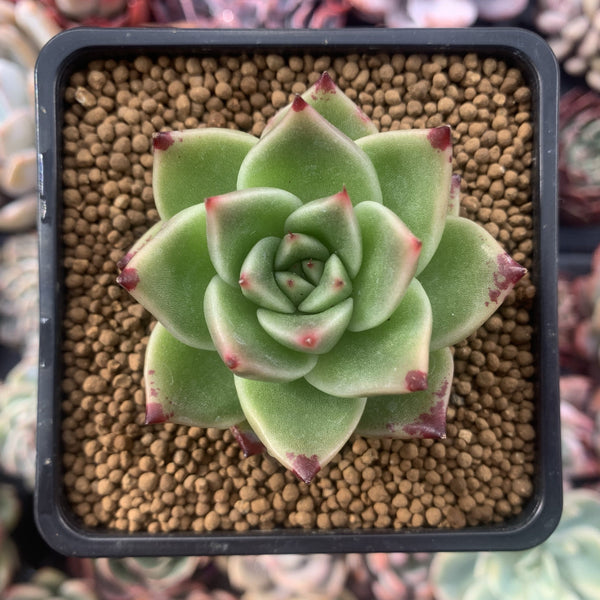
(564, 566)
(295, 276)
(98, 13)
(50, 584)
(10, 510)
(579, 156)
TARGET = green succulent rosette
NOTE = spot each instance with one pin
(310, 283)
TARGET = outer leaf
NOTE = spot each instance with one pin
(186, 385)
(301, 427)
(331, 102)
(390, 255)
(390, 359)
(310, 158)
(414, 169)
(416, 414)
(195, 164)
(466, 281)
(334, 286)
(236, 221)
(245, 347)
(295, 287)
(316, 334)
(331, 220)
(256, 277)
(169, 274)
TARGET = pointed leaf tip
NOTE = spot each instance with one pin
(304, 467)
(247, 440)
(439, 137)
(128, 279)
(325, 84)
(162, 140)
(416, 381)
(509, 273)
(299, 104)
(155, 414)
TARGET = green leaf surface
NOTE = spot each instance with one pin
(256, 277)
(296, 247)
(310, 158)
(186, 385)
(390, 255)
(168, 275)
(333, 287)
(295, 287)
(301, 427)
(332, 221)
(389, 359)
(245, 347)
(313, 270)
(236, 221)
(316, 333)
(195, 164)
(466, 281)
(414, 167)
(415, 414)
(331, 102)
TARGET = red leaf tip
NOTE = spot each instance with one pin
(416, 381)
(155, 414)
(304, 467)
(247, 440)
(325, 84)
(299, 103)
(439, 137)
(162, 140)
(128, 279)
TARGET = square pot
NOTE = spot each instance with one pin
(534, 488)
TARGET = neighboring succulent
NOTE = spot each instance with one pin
(565, 566)
(324, 269)
(573, 30)
(51, 584)
(10, 510)
(98, 13)
(152, 578)
(579, 156)
(288, 577)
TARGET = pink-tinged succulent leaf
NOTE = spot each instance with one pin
(332, 104)
(236, 221)
(415, 414)
(390, 255)
(296, 247)
(334, 286)
(333, 222)
(295, 287)
(414, 169)
(301, 427)
(169, 274)
(195, 164)
(310, 158)
(315, 334)
(186, 385)
(245, 347)
(124, 260)
(313, 270)
(466, 280)
(392, 358)
(454, 199)
(256, 277)
(246, 438)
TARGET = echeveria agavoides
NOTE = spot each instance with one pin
(309, 284)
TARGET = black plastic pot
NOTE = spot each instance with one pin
(520, 48)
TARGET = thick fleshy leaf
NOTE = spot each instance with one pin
(313, 270)
(186, 385)
(389, 359)
(390, 255)
(332, 221)
(295, 287)
(316, 334)
(247, 439)
(195, 164)
(236, 221)
(414, 168)
(454, 199)
(256, 277)
(301, 427)
(466, 281)
(310, 158)
(415, 414)
(124, 260)
(169, 274)
(331, 102)
(245, 347)
(296, 247)
(334, 286)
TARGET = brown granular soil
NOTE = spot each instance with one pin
(123, 475)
